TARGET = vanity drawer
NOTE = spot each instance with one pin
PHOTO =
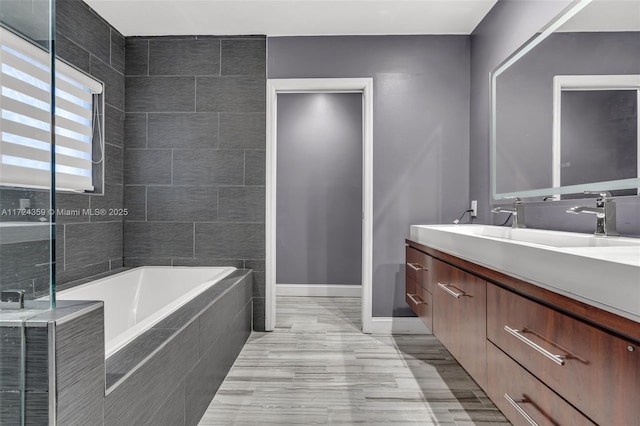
(420, 301)
(518, 394)
(418, 265)
(597, 372)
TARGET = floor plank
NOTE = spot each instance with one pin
(316, 367)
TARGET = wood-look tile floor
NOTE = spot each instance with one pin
(317, 367)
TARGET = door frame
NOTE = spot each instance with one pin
(319, 85)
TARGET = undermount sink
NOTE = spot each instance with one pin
(601, 271)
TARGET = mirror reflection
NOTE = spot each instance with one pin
(565, 106)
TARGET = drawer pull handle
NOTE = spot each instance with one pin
(558, 359)
(446, 288)
(414, 300)
(520, 409)
(416, 267)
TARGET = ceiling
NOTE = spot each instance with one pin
(291, 17)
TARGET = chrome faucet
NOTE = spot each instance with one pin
(517, 211)
(605, 211)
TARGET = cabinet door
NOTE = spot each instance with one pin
(597, 372)
(459, 319)
(522, 398)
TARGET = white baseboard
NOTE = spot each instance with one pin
(319, 290)
(398, 325)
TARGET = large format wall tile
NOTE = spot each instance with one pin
(195, 135)
(147, 166)
(188, 56)
(231, 94)
(117, 51)
(114, 126)
(170, 130)
(89, 243)
(160, 94)
(82, 25)
(154, 239)
(244, 57)
(136, 56)
(232, 240)
(113, 174)
(78, 56)
(181, 204)
(242, 130)
(135, 201)
(241, 204)
(255, 168)
(135, 130)
(207, 167)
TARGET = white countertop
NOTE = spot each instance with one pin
(600, 271)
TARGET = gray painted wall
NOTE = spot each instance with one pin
(85, 245)
(420, 134)
(194, 168)
(319, 205)
(507, 26)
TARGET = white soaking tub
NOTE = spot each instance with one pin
(136, 299)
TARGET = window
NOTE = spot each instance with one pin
(25, 147)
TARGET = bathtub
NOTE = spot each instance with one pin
(137, 299)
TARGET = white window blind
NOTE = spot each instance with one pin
(25, 124)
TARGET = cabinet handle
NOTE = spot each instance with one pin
(446, 288)
(414, 300)
(520, 409)
(518, 334)
(416, 266)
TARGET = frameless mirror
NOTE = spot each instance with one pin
(565, 106)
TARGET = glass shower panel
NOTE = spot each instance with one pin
(27, 231)
(27, 243)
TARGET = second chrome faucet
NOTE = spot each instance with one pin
(605, 211)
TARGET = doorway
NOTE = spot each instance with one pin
(364, 89)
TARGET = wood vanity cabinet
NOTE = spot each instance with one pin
(459, 317)
(541, 357)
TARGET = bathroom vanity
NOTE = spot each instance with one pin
(513, 314)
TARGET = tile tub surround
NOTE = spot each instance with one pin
(72, 336)
(166, 376)
(175, 368)
(194, 158)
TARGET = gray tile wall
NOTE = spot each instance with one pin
(85, 245)
(89, 245)
(194, 162)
